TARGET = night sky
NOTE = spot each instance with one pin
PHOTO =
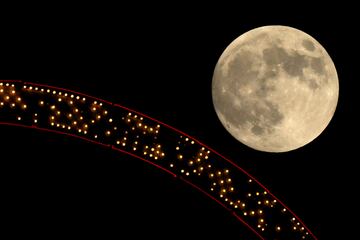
(161, 64)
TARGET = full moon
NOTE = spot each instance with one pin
(275, 88)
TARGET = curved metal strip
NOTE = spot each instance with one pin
(125, 130)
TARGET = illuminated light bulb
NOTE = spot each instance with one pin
(284, 210)
(30, 87)
(54, 92)
(13, 105)
(71, 102)
(94, 109)
(186, 139)
(293, 219)
(77, 97)
(259, 226)
(294, 228)
(19, 118)
(76, 110)
(274, 201)
(1, 84)
(221, 195)
(79, 130)
(257, 193)
(201, 168)
(192, 142)
(123, 144)
(52, 117)
(261, 220)
(307, 233)
(1, 90)
(72, 96)
(302, 228)
(231, 203)
(13, 92)
(60, 93)
(245, 213)
(194, 171)
(224, 190)
(86, 126)
(41, 103)
(235, 206)
(108, 132)
(145, 127)
(259, 202)
(93, 121)
(250, 180)
(69, 128)
(105, 112)
(84, 99)
(214, 183)
(211, 175)
(180, 156)
(249, 194)
(212, 189)
(58, 112)
(231, 189)
(278, 228)
(298, 224)
(63, 126)
(151, 129)
(191, 162)
(58, 125)
(219, 173)
(65, 94)
(222, 181)
(24, 106)
(7, 97)
(171, 165)
(134, 148)
(226, 199)
(81, 117)
(100, 104)
(117, 142)
(229, 180)
(75, 122)
(206, 157)
(7, 84)
(36, 88)
(252, 213)
(265, 193)
(187, 173)
(260, 211)
(59, 99)
(98, 116)
(35, 120)
(96, 136)
(48, 90)
(151, 155)
(52, 107)
(182, 170)
(1, 104)
(18, 99)
(209, 166)
(263, 229)
(110, 120)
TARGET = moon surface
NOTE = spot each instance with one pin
(275, 88)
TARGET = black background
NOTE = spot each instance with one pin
(160, 61)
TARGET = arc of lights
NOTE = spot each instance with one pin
(121, 129)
